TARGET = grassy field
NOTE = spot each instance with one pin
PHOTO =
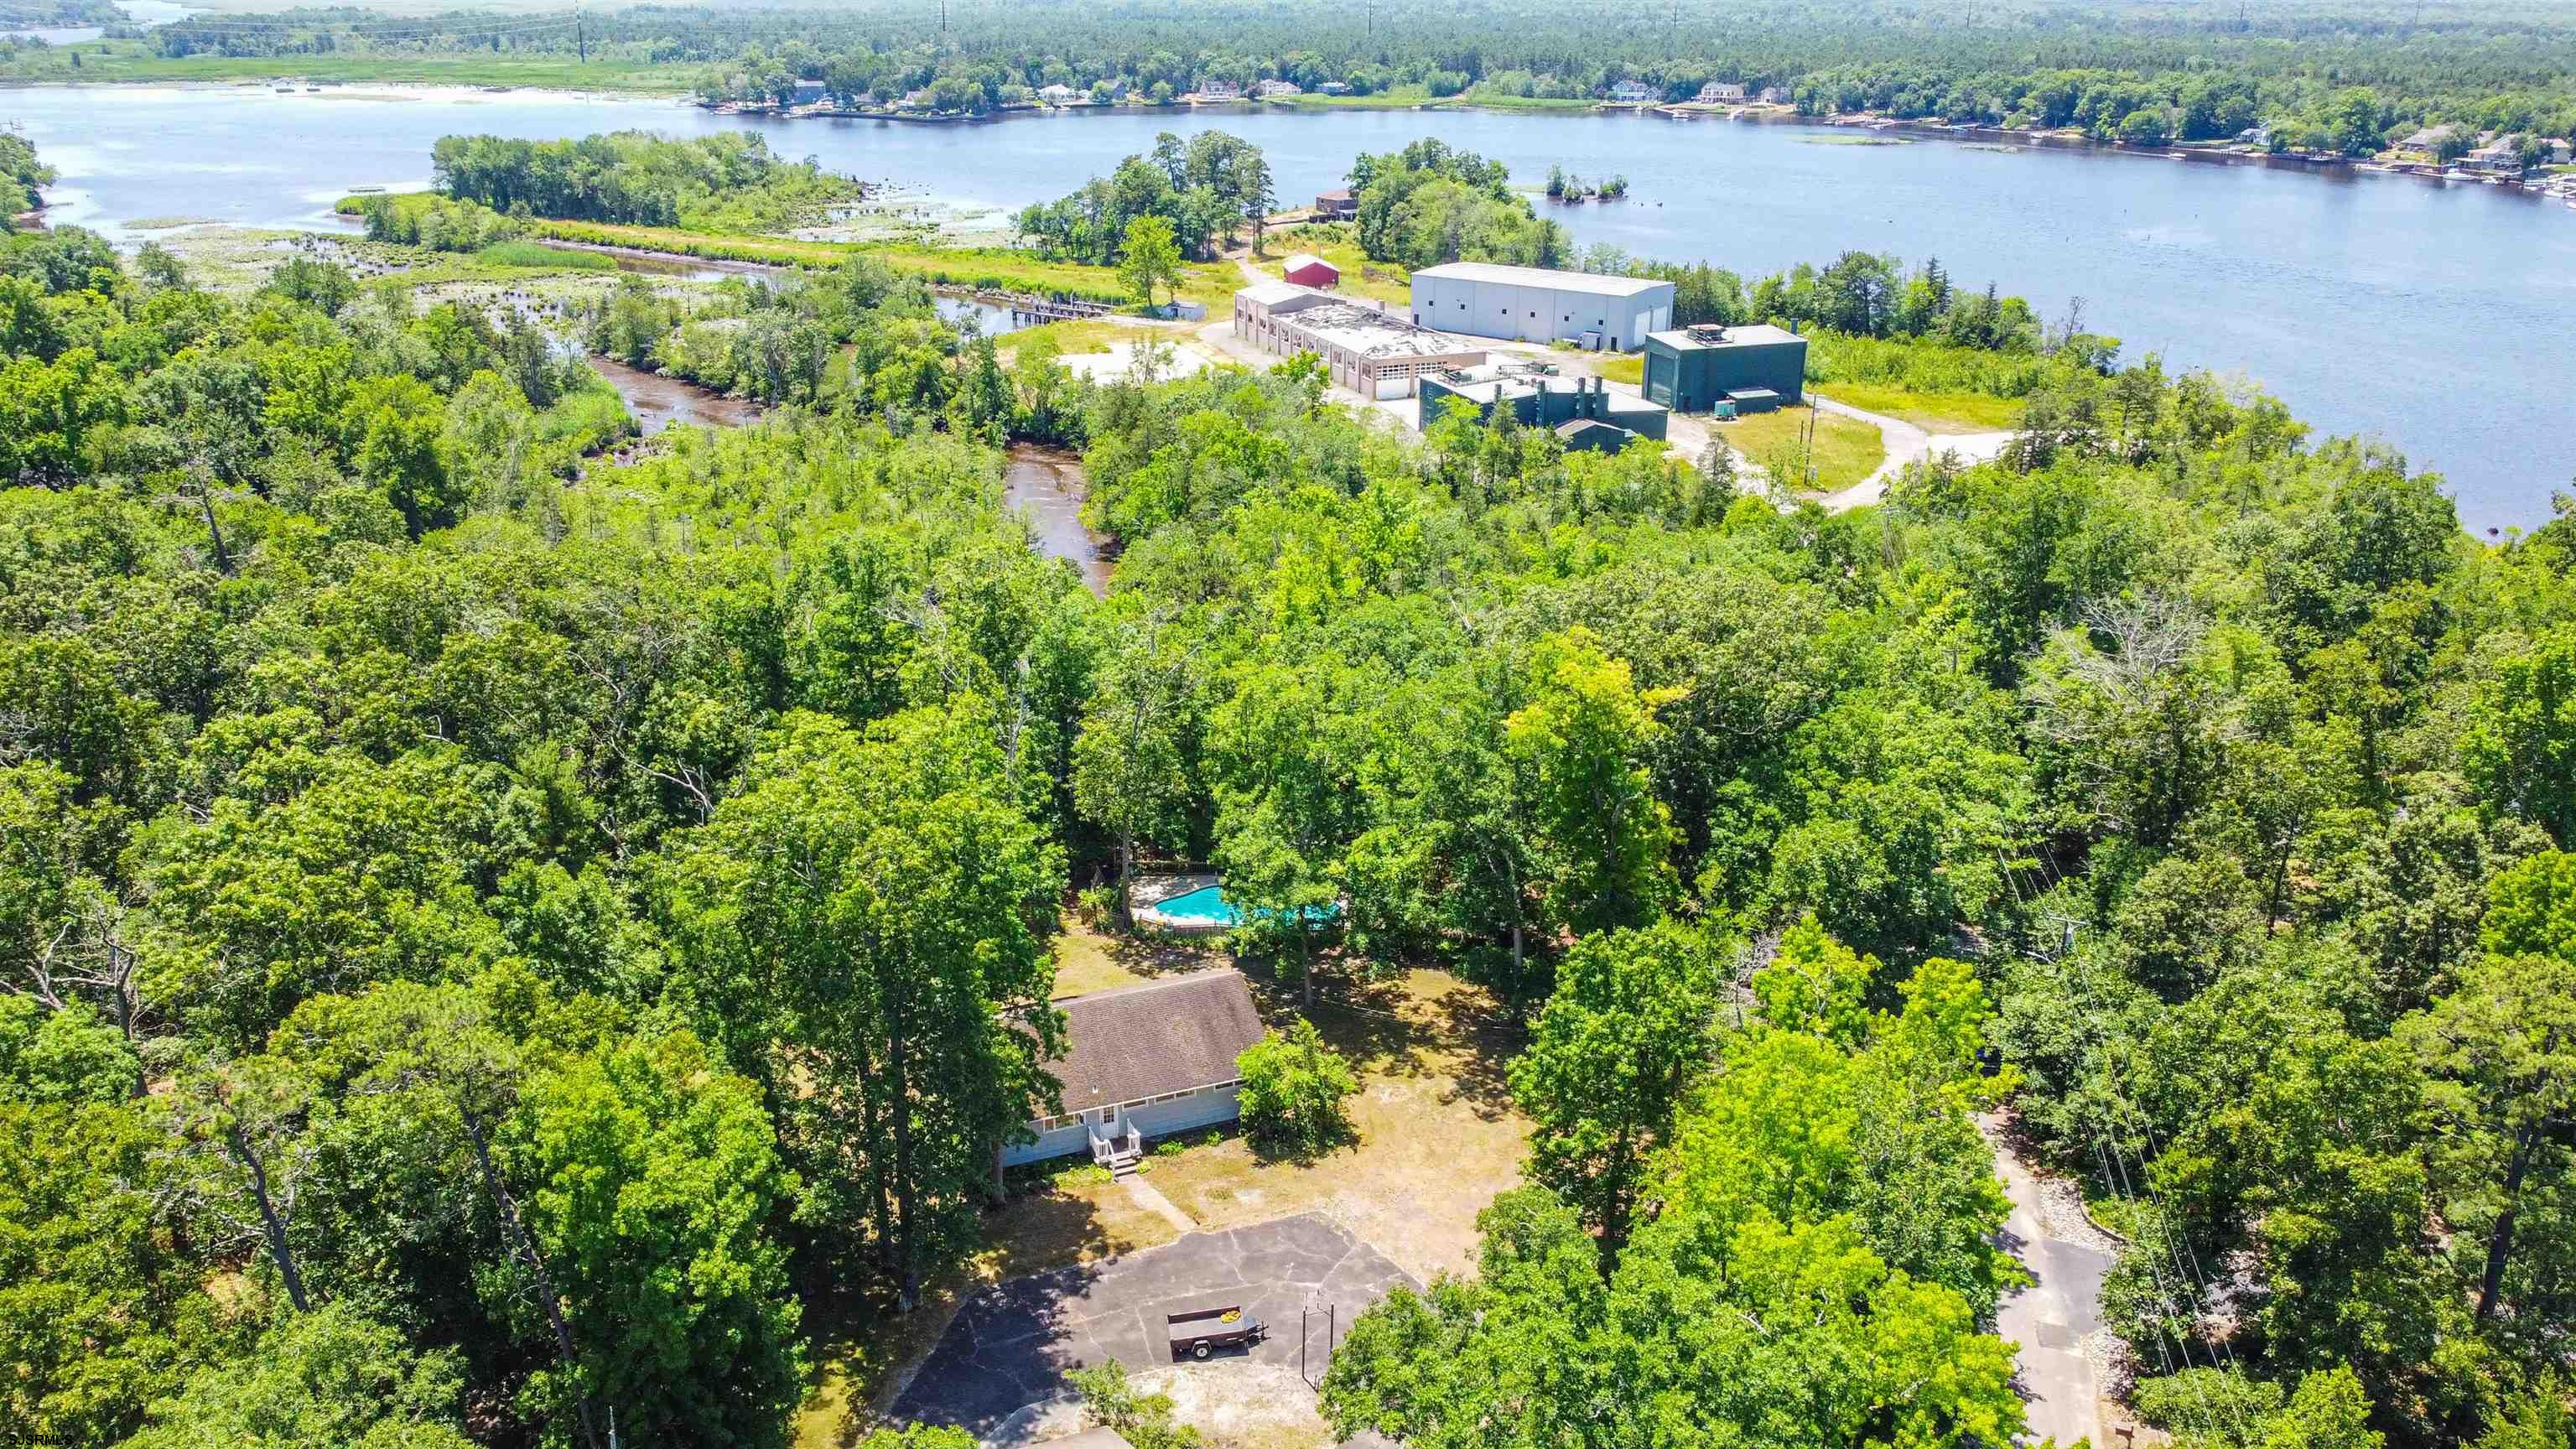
(997, 267)
(1630, 369)
(538, 256)
(1847, 449)
(126, 60)
(1934, 412)
(1397, 98)
(1335, 243)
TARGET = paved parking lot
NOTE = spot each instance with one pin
(1012, 1344)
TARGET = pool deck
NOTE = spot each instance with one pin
(1146, 896)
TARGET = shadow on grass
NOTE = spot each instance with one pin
(1387, 1024)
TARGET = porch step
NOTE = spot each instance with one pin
(1124, 1166)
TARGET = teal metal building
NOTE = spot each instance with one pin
(1756, 368)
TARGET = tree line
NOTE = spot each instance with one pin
(2305, 72)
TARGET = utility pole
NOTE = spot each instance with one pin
(581, 36)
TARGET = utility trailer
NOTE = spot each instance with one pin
(1196, 1335)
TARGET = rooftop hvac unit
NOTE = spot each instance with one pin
(1708, 332)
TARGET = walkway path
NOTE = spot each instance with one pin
(1145, 1195)
(2052, 1318)
(1906, 443)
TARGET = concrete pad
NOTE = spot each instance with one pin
(1013, 1344)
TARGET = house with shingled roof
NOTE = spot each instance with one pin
(1144, 1061)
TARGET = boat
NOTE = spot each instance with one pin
(313, 89)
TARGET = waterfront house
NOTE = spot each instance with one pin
(1336, 205)
(1144, 1061)
(1331, 88)
(1057, 95)
(1219, 90)
(1775, 95)
(2501, 156)
(807, 93)
(1629, 93)
(1274, 89)
(915, 100)
(1726, 93)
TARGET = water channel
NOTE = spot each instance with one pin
(1045, 486)
(2442, 319)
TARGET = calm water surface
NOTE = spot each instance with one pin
(1045, 485)
(2441, 319)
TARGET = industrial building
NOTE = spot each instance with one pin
(1582, 410)
(1533, 304)
(1371, 351)
(1727, 370)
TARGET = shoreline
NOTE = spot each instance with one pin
(1903, 131)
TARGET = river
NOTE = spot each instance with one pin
(2442, 319)
(1045, 485)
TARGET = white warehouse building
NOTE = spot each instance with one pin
(1533, 304)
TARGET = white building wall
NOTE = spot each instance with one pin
(1526, 313)
(1205, 1107)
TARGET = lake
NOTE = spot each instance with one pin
(2442, 319)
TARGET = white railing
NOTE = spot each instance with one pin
(1106, 1149)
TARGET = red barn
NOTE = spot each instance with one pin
(1309, 270)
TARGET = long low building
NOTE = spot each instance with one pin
(1534, 304)
(1371, 351)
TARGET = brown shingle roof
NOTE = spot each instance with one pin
(1165, 1036)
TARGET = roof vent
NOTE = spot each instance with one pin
(1707, 332)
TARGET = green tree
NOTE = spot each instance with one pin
(1148, 258)
(863, 928)
(1584, 737)
(2520, 745)
(1632, 1025)
(1294, 1088)
(332, 1379)
(653, 1181)
(2502, 1051)
(1130, 769)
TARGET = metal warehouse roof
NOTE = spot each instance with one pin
(1543, 277)
(1758, 334)
(1271, 294)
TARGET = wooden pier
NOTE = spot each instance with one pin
(1029, 311)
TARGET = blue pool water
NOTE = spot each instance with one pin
(1206, 904)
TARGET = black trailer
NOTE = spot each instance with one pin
(1196, 1335)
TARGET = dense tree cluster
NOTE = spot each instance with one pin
(1204, 188)
(474, 942)
(1428, 204)
(727, 181)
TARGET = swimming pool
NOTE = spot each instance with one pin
(1206, 906)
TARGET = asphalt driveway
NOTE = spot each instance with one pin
(1012, 1344)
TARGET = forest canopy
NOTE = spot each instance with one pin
(495, 935)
